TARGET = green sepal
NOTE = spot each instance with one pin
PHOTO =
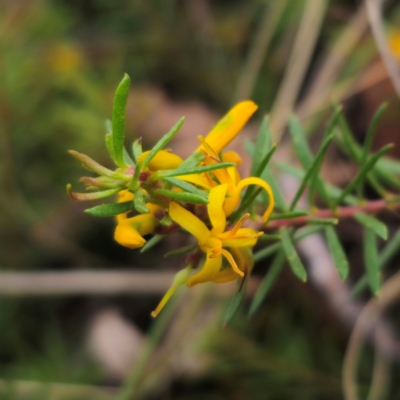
(163, 142)
(182, 196)
(267, 283)
(292, 256)
(139, 202)
(371, 261)
(137, 149)
(118, 119)
(110, 210)
(166, 221)
(372, 223)
(338, 254)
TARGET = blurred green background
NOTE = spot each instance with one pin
(60, 62)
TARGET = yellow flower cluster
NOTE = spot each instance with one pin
(227, 251)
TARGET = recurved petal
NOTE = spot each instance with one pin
(162, 160)
(215, 209)
(210, 269)
(189, 222)
(230, 125)
(244, 237)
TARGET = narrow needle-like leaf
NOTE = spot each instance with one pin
(292, 256)
(372, 223)
(371, 261)
(182, 196)
(338, 254)
(192, 171)
(152, 242)
(118, 119)
(163, 141)
(109, 210)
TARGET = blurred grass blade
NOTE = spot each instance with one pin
(363, 172)
(371, 261)
(182, 196)
(236, 300)
(372, 223)
(192, 171)
(152, 242)
(292, 256)
(338, 254)
(110, 210)
(186, 186)
(118, 119)
(181, 251)
(312, 170)
(139, 202)
(266, 284)
(163, 142)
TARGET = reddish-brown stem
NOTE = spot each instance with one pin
(370, 207)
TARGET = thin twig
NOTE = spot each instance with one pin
(374, 10)
(368, 323)
(306, 38)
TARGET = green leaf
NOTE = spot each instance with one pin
(267, 282)
(110, 210)
(109, 145)
(292, 256)
(133, 185)
(371, 261)
(127, 158)
(288, 215)
(373, 224)
(152, 242)
(101, 194)
(389, 251)
(236, 301)
(338, 254)
(163, 142)
(262, 147)
(139, 202)
(137, 149)
(94, 166)
(182, 196)
(193, 160)
(312, 170)
(192, 171)
(362, 173)
(322, 221)
(186, 186)
(118, 119)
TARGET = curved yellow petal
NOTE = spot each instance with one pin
(232, 262)
(232, 202)
(245, 237)
(162, 160)
(230, 125)
(180, 278)
(232, 232)
(231, 156)
(189, 222)
(215, 209)
(210, 268)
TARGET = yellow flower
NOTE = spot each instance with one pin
(130, 231)
(164, 159)
(230, 125)
(215, 243)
